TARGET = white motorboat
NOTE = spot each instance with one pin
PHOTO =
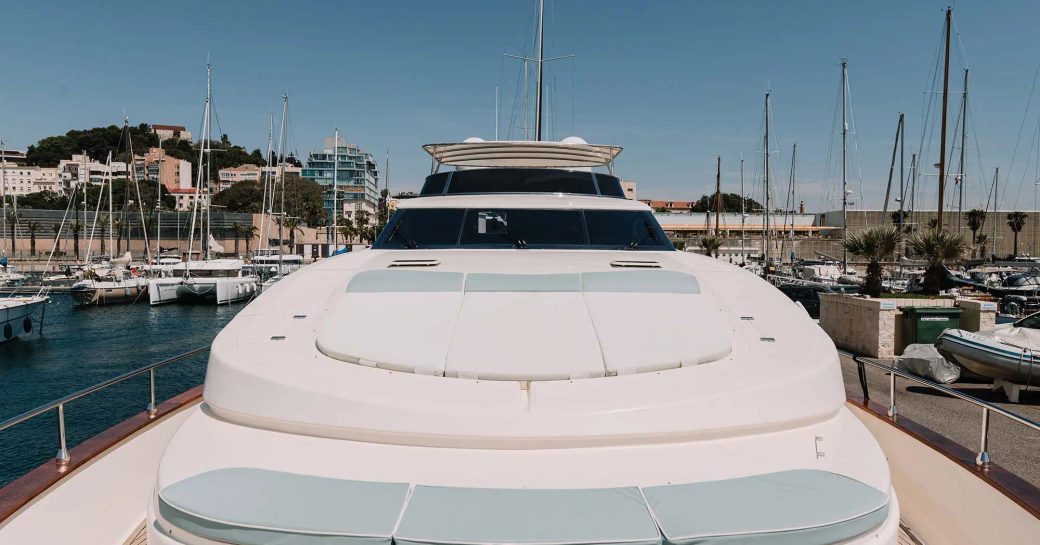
(530, 363)
(269, 262)
(490, 349)
(20, 315)
(218, 281)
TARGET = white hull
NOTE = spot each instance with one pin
(109, 292)
(16, 316)
(212, 290)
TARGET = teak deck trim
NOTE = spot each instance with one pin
(1014, 487)
(22, 491)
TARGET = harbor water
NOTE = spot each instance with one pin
(82, 346)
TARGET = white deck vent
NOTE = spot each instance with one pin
(421, 263)
(635, 264)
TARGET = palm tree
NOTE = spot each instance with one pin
(13, 217)
(32, 227)
(874, 245)
(292, 224)
(711, 246)
(347, 231)
(236, 230)
(250, 231)
(976, 219)
(981, 241)
(939, 248)
(75, 227)
(118, 226)
(103, 220)
(933, 223)
(1016, 221)
(56, 227)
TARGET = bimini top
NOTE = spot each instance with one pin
(571, 152)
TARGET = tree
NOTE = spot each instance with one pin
(237, 229)
(347, 231)
(303, 198)
(1016, 221)
(56, 227)
(730, 203)
(711, 246)
(250, 232)
(44, 200)
(118, 225)
(938, 248)
(976, 219)
(102, 220)
(32, 227)
(874, 245)
(981, 241)
(75, 227)
(292, 225)
(13, 217)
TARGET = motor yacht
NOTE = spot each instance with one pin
(522, 357)
(269, 262)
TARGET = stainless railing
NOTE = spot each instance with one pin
(982, 458)
(59, 404)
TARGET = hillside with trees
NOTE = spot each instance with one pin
(303, 199)
(730, 203)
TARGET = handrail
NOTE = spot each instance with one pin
(983, 456)
(59, 404)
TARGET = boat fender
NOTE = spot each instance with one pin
(27, 324)
(8, 331)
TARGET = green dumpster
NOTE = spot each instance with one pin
(923, 325)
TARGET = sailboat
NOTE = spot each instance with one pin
(114, 281)
(18, 314)
(207, 280)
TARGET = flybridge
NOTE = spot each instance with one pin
(571, 152)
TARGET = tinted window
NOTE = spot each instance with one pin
(1030, 322)
(422, 228)
(522, 180)
(524, 228)
(621, 228)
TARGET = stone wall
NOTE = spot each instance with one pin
(873, 327)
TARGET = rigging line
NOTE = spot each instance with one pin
(929, 97)
(855, 137)
(824, 196)
(1021, 127)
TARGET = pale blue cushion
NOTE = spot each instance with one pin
(249, 506)
(439, 515)
(652, 281)
(522, 282)
(803, 507)
(390, 280)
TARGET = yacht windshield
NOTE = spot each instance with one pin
(523, 228)
(522, 180)
(1029, 322)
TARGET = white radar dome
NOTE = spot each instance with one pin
(574, 140)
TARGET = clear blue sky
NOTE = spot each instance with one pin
(675, 83)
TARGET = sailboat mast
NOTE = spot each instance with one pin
(942, 131)
(765, 224)
(281, 176)
(203, 145)
(791, 199)
(844, 162)
(902, 179)
(718, 193)
(892, 166)
(539, 60)
(3, 196)
(158, 206)
(335, 190)
(964, 134)
(742, 212)
(111, 208)
(266, 207)
(996, 195)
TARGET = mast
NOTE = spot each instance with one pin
(539, 60)
(267, 206)
(3, 197)
(203, 145)
(942, 132)
(158, 206)
(892, 165)
(335, 189)
(765, 224)
(111, 210)
(844, 161)
(386, 174)
(742, 212)
(718, 193)
(902, 179)
(960, 172)
(794, 159)
(996, 195)
(281, 176)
